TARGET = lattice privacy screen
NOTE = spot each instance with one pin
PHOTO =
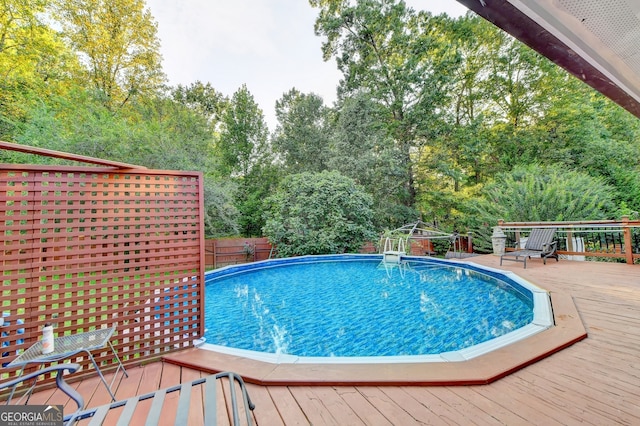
(87, 248)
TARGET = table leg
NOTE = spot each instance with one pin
(119, 362)
(115, 375)
(95, 364)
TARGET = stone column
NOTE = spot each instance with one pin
(498, 239)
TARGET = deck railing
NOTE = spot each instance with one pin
(584, 240)
(93, 247)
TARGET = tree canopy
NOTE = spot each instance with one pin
(446, 120)
(116, 41)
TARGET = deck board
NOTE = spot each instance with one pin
(262, 397)
(150, 382)
(314, 408)
(363, 407)
(390, 409)
(170, 405)
(418, 408)
(446, 411)
(286, 405)
(336, 405)
(595, 381)
(476, 395)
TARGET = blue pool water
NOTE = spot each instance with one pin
(360, 308)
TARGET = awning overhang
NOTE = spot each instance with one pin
(596, 41)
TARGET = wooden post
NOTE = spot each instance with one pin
(215, 254)
(628, 247)
(570, 238)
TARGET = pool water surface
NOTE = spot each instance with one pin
(360, 307)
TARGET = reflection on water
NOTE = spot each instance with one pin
(269, 332)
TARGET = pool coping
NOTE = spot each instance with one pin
(483, 369)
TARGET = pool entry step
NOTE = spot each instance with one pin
(394, 249)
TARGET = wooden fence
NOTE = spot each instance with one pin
(232, 251)
(92, 247)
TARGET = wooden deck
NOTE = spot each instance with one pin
(595, 381)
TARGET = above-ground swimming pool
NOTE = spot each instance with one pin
(356, 308)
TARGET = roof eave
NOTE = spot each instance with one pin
(515, 22)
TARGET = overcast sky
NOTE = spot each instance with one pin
(269, 45)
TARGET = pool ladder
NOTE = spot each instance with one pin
(394, 249)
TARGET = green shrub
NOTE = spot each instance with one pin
(318, 213)
(535, 193)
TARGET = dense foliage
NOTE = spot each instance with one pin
(538, 193)
(447, 120)
(319, 213)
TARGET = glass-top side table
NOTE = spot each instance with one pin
(67, 346)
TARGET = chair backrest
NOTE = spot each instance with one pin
(539, 237)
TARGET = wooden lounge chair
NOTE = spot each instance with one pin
(97, 415)
(540, 243)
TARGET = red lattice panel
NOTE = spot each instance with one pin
(87, 248)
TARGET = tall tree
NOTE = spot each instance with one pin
(243, 137)
(253, 189)
(363, 150)
(519, 78)
(202, 98)
(117, 43)
(245, 156)
(459, 154)
(474, 40)
(301, 137)
(34, 62)
(394, 54)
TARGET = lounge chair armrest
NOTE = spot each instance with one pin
(60, 382)
(550, 247)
